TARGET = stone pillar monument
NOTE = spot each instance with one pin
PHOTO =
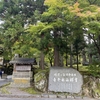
(22, 74)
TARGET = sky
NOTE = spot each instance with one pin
(1, 22)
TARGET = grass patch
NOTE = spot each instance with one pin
(5, 85)
(30, 90)
(81, 67)
(4, 90)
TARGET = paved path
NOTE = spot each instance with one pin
(13, 98)
(5, 81)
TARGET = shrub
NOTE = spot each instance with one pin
(94, 69)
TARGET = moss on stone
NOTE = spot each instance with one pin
(40, 80)
(97, 91)
(40, 75)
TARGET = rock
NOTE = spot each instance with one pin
(40, 81)
(91, 87)
(45, 95)
(62, 96)
(52, 96)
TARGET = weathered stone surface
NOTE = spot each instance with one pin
(65, 80)
(70, 97)
(62, 96)
(21, 79)
(52, 96)
(18, 82)
(20, 74)
(45, 95)
(40, 81)
(91, 87)
(23, 68)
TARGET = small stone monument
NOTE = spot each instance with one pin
(65, 80)
(22, 74)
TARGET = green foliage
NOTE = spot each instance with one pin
(91, 49)
(55, 17)
(66, 20)
(94, 28)
(17, 14)
(91, 22)
(39, 28)
(94, 69)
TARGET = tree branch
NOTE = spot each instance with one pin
(97, 46)
(92, 2)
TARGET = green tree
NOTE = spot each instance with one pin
(92, 25)
(17, 14)
(54, 20)
(78, 45)
(55, 28)
(90, 16)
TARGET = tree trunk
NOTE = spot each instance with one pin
(66, 62)
(56, 56)
(61, 61)
(56, 51)
(50, 60)
(71, 58)
(90, 58)
(77, 62)
(83, 57)
(66, 58)
(42, 60)
(99, 46)
(90, 55)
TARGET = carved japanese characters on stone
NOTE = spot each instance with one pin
(65, 80)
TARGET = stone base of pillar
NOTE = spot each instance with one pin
(21, 79)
